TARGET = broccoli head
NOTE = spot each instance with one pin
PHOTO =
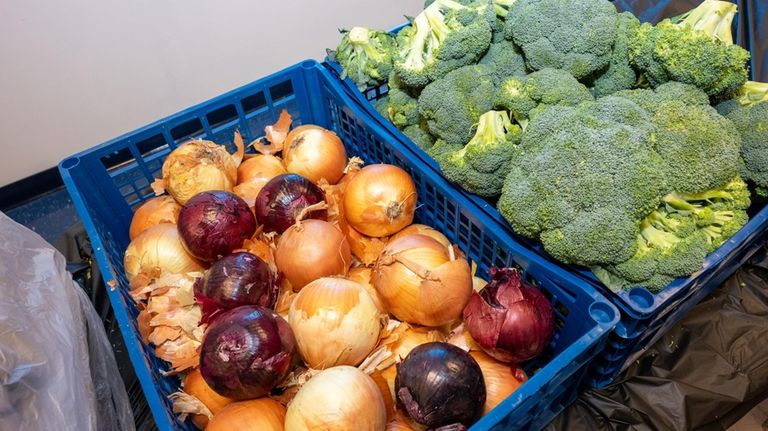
(420, 136)
(480, 166)
(748, 110)
(381, 106)
(575, 35)
(446, 35)
(521, 94)
(695, 48)
(620, 74)
(452, 105)
(652, 99)
(505, 59)
(365, 55)
(583, 179)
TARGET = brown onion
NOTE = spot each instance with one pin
(312, 249)
(421, 281)
(159, 247)
(362, 275)
(500, 379)
(160, 209)
(424, 230)
(254, 173)
(195, 385)
(315, 153)
(261, 414)
(380, 200)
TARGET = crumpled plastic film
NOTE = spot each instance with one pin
(57, 368)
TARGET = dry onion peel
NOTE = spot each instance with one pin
(158, 247)
(159, 209)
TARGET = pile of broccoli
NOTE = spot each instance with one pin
(629, 148)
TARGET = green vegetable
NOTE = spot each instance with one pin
(619, 75)
(365, 55)
(696, 48)
(574, 35)
(481, 165)
(443, 37)
(521, 94)
(420, 136)
(505, 59)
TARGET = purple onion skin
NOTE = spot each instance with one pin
(214, 223)
(246, 352)
(511, 320)
(440, 385)
(237, 279)
(281, 200)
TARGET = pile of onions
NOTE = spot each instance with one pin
(285, 198)
(312, 249)
(380, 200)
(254, 173)
(198, 166)
(335, 322)
(341, 398)
(195, 385)
(315, 153)
(421, 281)
(500, 379)
(234, 280)
(509, 319)
(159, 247)
(439, 384)
(160, 209)
(213, 224)
(246, 352)
(261, 414)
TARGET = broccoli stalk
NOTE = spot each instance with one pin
(502, 7)
(365, 55)
(752, 93)
(712, 18)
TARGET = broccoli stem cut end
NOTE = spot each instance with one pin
(713, 18)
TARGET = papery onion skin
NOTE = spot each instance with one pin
(213, 224)
(419, 283)
(380, 200)
(341, 398)
(511, 320)
(362, 275)
(246, 352)
(198, 166)
(335, 322)
(423, 230)
(237, 279)
(501, 379)
(282, 200)
(366, 249)
(159, 247)
(315, 153)
(159, 209)
(195, 385)
(261, 414)
(439, 384)
(310, 250)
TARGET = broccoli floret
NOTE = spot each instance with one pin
(420, 136)
(381, 106)
(443, 37)
(402, 109)
(505, 59)
(365, 55)
(696, 48)
(575, 35)
(452, 105)
(480, 166)
(619, 75)
(652, 99)
(580, 167)
(521, 94)
(700, 148)
(748, 111)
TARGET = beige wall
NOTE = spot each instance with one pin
(75, 73)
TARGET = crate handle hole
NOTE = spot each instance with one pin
(70, 162)
(602, 312)
(641, 297)
(308, 64)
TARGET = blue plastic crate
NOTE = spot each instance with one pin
(108, 181)
(643, 313)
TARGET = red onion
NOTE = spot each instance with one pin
(511, 320)
(234, 280)
(212, 224)
(440, 385)
(246, 352)
(282, 200)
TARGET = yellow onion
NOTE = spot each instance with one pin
(341, 398)
(335, 322)
(160, 209)
(424, 230)
(195, 385)
(362, 275)
(254, 173)
(315, 153)
(380, 200)
(500, 379)
(260, 414)
(159, 247)
(198, 166)
(421, 281)
(365, 248)
(312, 249)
